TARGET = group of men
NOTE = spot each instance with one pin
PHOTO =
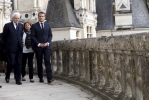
(41, 36)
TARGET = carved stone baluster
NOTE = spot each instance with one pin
(35, 63)
(117, 74)
(54, 62)
(94, 69)
(101, 70)
(65, 60)
(128, 75)
(138, 76)
(109, 82)
(71, 63)
(82, 65)
(60, 62)
(87, 68)
(76, 71)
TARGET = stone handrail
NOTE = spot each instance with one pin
(114, 68)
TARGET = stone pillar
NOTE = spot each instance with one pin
(54, 61)
(108, 70)
(101, 70)
(128, 77)
(138, 76)
(77, 67)
(117, 73)
(82, 65)
(35, 3)
(87, 65)
(94, 68)
(71, 63)
(60, 63)
(38, 3)
(18, 5)
(15, 4)
(65, 62)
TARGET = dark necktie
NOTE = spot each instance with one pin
(17, 27)
(42, 27)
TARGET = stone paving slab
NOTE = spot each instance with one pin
(58, 90)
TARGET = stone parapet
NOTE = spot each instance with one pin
(114, 68)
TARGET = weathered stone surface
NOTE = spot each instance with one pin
(115, 66)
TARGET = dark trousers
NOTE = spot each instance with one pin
(14, 61)
(27, 57)
(39, 56)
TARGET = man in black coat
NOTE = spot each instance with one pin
(41, 43)
(12, 39)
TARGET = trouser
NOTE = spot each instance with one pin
(39, 57)
(27, 57)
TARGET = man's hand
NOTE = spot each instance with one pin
(45, 44)
(41, 45)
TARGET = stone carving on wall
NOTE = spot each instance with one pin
(7, 11)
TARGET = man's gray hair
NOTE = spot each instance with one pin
(16, 13)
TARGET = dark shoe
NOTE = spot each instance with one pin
(41, 80)
(7, 80)
(19, 83)
(0, 86)
(31, 80)
(50, 81)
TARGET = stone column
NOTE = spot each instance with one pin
(138, 77)
(94, 69)
(34, 3)
(54, 61)
(94, 6)
(82, 65)
(117, 72)
(15, 4)
(38, 3)
(128, 77)
(87, 65)
(71, 63)
(77, 63)
(18, 5)
(60, 63)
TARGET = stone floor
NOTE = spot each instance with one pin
(58, 90)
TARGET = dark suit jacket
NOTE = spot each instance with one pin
(38, 36)
(12, 38)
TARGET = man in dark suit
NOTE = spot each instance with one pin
(41, 44)
(12, 39)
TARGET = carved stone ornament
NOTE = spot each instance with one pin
(122, 5)
(7, 12)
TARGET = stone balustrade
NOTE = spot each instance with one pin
(114, 68)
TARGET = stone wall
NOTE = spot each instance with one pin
(114, 68)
